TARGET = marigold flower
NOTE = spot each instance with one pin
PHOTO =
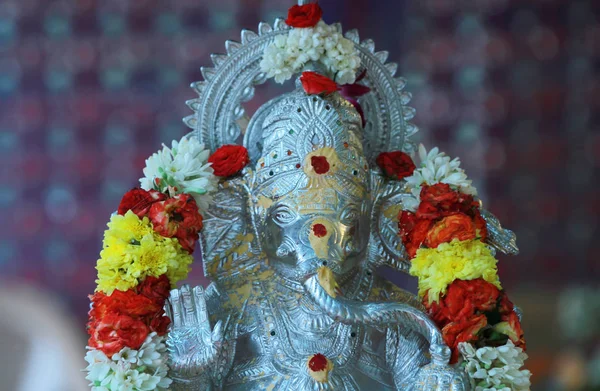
(439, 267)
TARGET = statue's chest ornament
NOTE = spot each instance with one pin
(296, 330)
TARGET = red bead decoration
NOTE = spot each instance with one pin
(318, 362)
(319, 164)
(319, 230)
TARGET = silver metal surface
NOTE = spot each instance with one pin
(265, 313)
(502, 239)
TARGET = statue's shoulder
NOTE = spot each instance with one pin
(384, 290)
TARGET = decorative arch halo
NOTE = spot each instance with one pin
(232, 80)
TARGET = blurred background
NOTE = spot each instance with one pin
(90, 88)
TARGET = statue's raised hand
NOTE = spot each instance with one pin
(194, 348)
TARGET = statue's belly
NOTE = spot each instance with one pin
(356, 382)
(276, 359)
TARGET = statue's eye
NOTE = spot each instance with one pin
(284, 216)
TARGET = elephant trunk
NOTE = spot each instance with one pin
(379, 314)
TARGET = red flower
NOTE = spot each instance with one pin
(319, 164)
(314, 83)
(464, 330)
(396, 164)
(463, 300)
(228, 160)
(458, 226)
(139, 201)
(114, 332)
(307, 15)
(155, 288)
(505, 306)
(442, 215)
(438, 200)
(124, 303)
(511, 327)
(413, 231)
(177, 217)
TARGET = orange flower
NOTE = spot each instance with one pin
(458, 226)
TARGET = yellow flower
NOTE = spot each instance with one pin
(132, 251)
(436, 268)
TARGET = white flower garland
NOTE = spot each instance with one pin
(436, 167)
(135, 370)
(324, 43)
(496, 368)
(183, 168)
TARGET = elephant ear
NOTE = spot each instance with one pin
(228, 241)
(385, 245)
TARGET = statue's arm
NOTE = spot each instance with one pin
(415, 370)
(197, 354)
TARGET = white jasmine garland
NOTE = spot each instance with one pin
(436, 167)
(183, 168)
(323, 43)
(135, 370)
(496, 368)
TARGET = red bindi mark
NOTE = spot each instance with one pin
(319, 164)
(317, 363)
(319, 230)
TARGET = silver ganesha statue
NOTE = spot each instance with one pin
(311, 201)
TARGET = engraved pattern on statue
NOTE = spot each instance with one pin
(234, 76)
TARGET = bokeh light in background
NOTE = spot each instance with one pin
(90, 88)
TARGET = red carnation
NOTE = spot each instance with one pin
(228, 160)
(510, 324)
(139, 201)
(114, 332)
(126, 317)
(511, 327)
(314, 83)
(464, 330)
(413, 231)
(396, 164)
(463, 300)
(319, 164)
(155, 288)
(124, 303)
(438, 200)
(177, 217)
(307, 15)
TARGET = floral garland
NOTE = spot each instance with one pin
(147, 249)
(310, 40)
(444, 235)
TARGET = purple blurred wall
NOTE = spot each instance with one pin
(90, 88)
